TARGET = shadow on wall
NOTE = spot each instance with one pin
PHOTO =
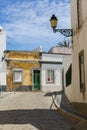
(23, 88)
(17, 89)
(79, 109)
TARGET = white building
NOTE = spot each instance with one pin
(77, 91)
(51, 72)
(2, 63)
(66, 52)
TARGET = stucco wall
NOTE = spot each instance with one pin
(3, 74)
(61, 50)
(57, 85)
(51, 62)
(66, 63)
(2, 64)
(2, 43)
(52, 57)
(79, 44)
(22, 60)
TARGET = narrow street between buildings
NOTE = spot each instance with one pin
(32, 111)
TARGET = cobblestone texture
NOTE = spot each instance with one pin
(32, 111)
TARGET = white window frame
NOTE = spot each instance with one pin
(20, 76)
(50, 76)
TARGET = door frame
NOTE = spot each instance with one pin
(33, 78)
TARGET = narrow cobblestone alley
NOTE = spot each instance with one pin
(32, 111)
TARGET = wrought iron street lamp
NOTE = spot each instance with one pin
(65, 32)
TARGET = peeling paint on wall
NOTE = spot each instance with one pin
(24, 64)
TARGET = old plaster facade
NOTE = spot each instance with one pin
(20, 66)
(77, 91)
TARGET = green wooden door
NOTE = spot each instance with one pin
(36, 79)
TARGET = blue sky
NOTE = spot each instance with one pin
(27, 25)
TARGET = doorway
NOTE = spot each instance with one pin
(36, 79)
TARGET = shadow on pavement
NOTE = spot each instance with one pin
(43, 119)
(53, 93)
(79, 109)
(49, 94)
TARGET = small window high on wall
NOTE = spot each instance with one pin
(82, 71)
(79, 12)
(17, 75)
(69, 76)
(50, 76)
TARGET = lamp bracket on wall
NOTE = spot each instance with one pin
(65, 32)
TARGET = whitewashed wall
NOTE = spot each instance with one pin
(3, 73)
(79, 44)
(52, 62)
(56, 86)
(52, 57)
(66, 63)
(2, 43)
(2, 63)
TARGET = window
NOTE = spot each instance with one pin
(79, 12)
(69, 76)
(81, 71)
(17, 75)
(50, 76)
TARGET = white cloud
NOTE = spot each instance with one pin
(29, 21)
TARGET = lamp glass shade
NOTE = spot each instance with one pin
(53, 21)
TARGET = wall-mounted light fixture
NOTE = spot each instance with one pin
(65, 32)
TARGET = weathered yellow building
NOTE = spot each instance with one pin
(23, 70)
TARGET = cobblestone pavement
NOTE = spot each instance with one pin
(32, 111)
